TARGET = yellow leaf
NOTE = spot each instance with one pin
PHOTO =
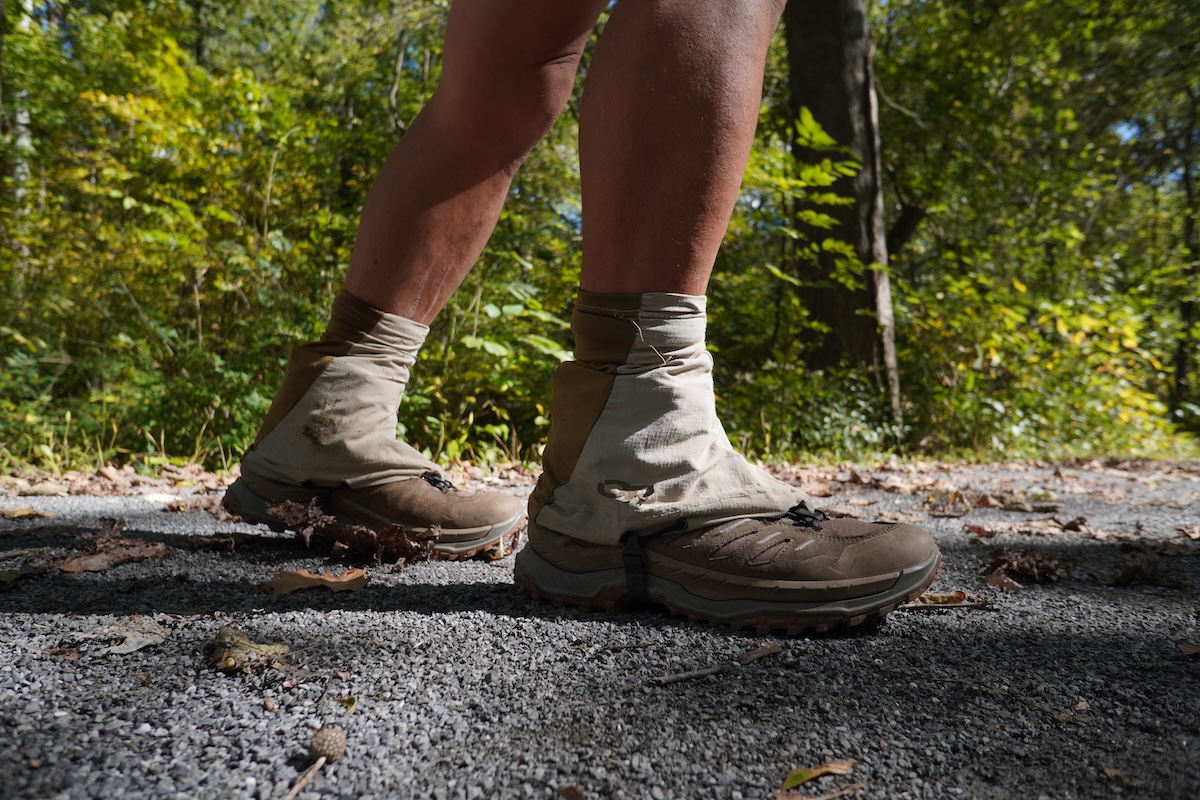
(1020, 287)
(799, 776)
(21, 513)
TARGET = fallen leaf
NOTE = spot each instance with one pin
(1192, 533)
(842, 511)
(68, 653)
(947, 504)
(1002, 582)
(987, 501)
(900, 516)
(957, 597)
(160, 497)
(862, 501)
(129, 635)
(1082, 705)
(1047, 526)
(571, 793)
(286, 581)
(9, 577)
(269, 705)
(22, 513)
(45, 489)
(232, 651)
(1032, 566)
(388, 545)
(1122, 777)
(110, 549)
(946, 601)
(350, 703)
(131, 550)
(1190, 649)
(799, 776)
(1145, 567)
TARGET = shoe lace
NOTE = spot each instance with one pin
(437, 481)
(801, 514)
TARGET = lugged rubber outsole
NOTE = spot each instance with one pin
(242, 502)
(606, 591)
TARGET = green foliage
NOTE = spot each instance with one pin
(181, 181)
(1016, 374)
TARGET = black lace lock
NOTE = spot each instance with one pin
(437, 481)
(801, 514)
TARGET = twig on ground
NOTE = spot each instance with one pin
(749, 657)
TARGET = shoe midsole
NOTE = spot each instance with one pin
(824, 598)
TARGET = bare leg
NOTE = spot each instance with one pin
(509, 68)
(668, 122)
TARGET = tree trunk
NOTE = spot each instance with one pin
(829, 72)
(1185, 347)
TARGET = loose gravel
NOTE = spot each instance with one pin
(452, 684)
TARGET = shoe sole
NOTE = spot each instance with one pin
(605, 590)
(495, 542)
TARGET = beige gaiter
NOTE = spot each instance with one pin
(333, 422)
(635, 443)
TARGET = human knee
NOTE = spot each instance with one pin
(511, 105)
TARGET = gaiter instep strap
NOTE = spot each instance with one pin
(634, 558)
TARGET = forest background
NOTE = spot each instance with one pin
(182, 180)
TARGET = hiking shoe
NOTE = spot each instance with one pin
(801, 572)
(466, 524)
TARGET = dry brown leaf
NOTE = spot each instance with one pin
(111, 549)
(954, 598)
(987, 501)
(979, 530)
(1027, 565)
(1192, 533)
(862, 501)
(128, 550)
(799, 776)
(129, 635)
(950, 503)
(945, 601)
(1082, 705)
(286, 581)
(1146, 567)
(389, 545)
(1190, 649)
(1002, 582)
(900, 516)
(571, 793)
(1122, 777)
(22, 513)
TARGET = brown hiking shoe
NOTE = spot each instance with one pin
(801, 572)
(467, 524)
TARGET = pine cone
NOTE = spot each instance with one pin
(329, 742)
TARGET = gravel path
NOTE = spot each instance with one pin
(450, 683)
